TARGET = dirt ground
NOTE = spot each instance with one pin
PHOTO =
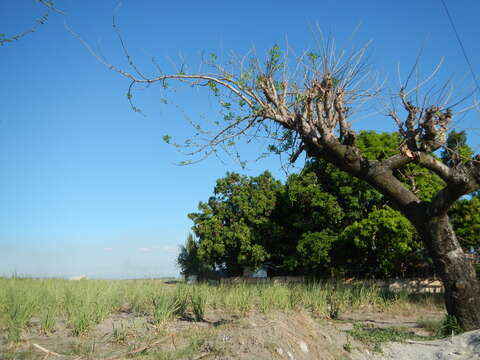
(276, 335)
(461, 347)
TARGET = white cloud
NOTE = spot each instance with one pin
(107, 249)
(170, 249)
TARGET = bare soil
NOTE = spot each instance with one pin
(276, 335)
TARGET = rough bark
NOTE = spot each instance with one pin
(462, 288)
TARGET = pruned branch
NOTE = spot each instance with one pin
(315, 101)
(315, 104)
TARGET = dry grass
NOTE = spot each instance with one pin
(86, 317)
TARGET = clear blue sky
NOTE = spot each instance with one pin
(88, 187)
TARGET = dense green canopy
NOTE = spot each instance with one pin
(322, 221)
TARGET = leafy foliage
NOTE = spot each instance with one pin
(456, 149)
(234, 226)
(322, 221)
(314, 249)
(375, 337)
(465, 217)
(189, 261)
(384, 239)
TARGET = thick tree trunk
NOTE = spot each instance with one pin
(462, 288)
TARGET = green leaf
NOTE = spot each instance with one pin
(226, 105)
(313, 56)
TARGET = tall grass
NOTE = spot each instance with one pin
(18, 307)
(199, 299)
(83, 304)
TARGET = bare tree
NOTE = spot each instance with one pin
(308, 108)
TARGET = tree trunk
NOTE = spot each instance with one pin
(462, 288)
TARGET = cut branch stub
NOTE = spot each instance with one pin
(424, 129)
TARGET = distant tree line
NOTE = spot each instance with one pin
(322, 221)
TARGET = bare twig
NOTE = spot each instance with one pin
(200, 356)
(139, 350)
(46, 351)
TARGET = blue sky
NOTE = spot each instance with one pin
(87, 186)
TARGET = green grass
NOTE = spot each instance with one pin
(18, 308)
(164, 308)
(120, 334)
(198, 299)
(439, 328)
(83, 304)
(374, 337)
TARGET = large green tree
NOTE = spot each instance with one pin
(234, 227)
(322, 221)
(310, 218)
(349, 203)
(325, 221)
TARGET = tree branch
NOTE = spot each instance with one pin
(396, 161)
(430, 162)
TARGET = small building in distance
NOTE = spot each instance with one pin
(260, 272)
(76, 278)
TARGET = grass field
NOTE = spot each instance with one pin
(56, 310)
